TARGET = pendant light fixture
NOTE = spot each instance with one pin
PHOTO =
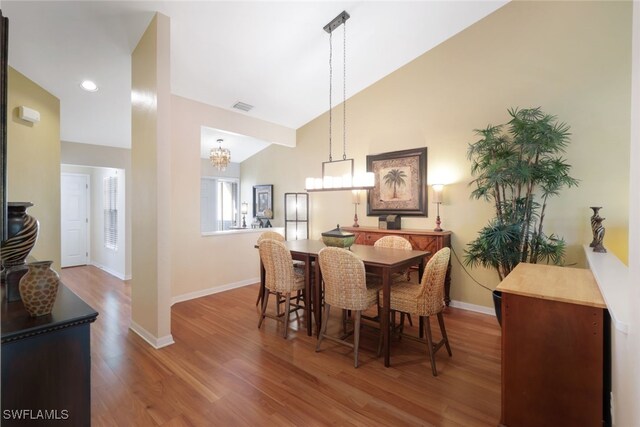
(220, 157)
(346, 179)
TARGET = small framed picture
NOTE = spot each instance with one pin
(400, 183)
(263, 201)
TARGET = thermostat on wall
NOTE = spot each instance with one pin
(29, 114)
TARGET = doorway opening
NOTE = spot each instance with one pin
(93, 218)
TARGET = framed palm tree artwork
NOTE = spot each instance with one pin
(400, 183)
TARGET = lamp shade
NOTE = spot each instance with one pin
(437, 192)
(244, 208)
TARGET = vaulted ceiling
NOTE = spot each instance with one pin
(270, 54)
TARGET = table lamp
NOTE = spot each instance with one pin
(437, 199)
(244, 208)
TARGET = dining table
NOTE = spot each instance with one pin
(381, 261)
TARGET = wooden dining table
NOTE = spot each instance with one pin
(381, 261)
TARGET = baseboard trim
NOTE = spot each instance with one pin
(214, 290)
(110, 271)
(156, 343)
(473, 307)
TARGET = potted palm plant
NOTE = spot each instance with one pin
(518, 167)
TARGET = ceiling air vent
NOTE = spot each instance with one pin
(242, 106)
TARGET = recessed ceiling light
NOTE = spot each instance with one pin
(89, 86)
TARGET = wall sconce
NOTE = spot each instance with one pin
(356, 202)
(244, 209)
(437, 199)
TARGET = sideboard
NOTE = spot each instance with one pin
(46, 363)
(555, 347)
(422, 240)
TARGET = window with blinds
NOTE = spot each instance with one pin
(111, 212)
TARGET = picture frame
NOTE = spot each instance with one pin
(400, 183)
(262, 201)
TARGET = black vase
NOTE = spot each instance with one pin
(22, 234)
(497, 304)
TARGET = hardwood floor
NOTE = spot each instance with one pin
(223, 371)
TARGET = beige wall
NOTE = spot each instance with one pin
(33, 161)
(211, 262)
(571, 58)
(150, 162)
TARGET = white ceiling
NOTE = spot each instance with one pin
(241, 146)
(270, 54)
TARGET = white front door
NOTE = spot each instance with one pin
(74, 189)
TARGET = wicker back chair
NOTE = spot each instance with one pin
(270, 235)
(425, 300)
(345, 287)
(280, 278)
(394, 242)
(267, 235)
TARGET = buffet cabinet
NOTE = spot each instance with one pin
(421, 240)
(555, 342)
(46, 363)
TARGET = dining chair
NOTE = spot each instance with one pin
(425, 300)
(280, 238)
(393, 242)
(345, 287)
(282, 279)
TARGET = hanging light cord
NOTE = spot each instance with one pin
(344, 92)
(330, 89)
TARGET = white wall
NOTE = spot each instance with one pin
(204, 264)
(72, 153)
(626, 379)
(113, 262)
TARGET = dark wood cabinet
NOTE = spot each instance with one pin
(421, 240)
(46, 363)
(554, 341)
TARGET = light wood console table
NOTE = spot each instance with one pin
(555, 339)
(421, 240)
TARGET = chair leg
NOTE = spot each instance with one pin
(260, 295)
(444, 333)
(265, 299)
(427, 330)
(325, 321)
(285, 319)
(410, 321)
(278, 304)
(356, 338)
(344, 321)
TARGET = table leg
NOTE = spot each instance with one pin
(384, 320)
(420, 273)
(307, 293)
(317, 297)
(262, 281)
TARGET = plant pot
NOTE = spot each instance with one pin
(497, 304)
(39, 288)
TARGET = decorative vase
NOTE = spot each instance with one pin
(594, 223)
(598, 236)
(39, 288)
(22, 234)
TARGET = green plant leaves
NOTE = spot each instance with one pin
(517, 166)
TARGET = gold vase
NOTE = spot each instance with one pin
(39, 288)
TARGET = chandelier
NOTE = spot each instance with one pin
(220, 157)
(341, 176)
